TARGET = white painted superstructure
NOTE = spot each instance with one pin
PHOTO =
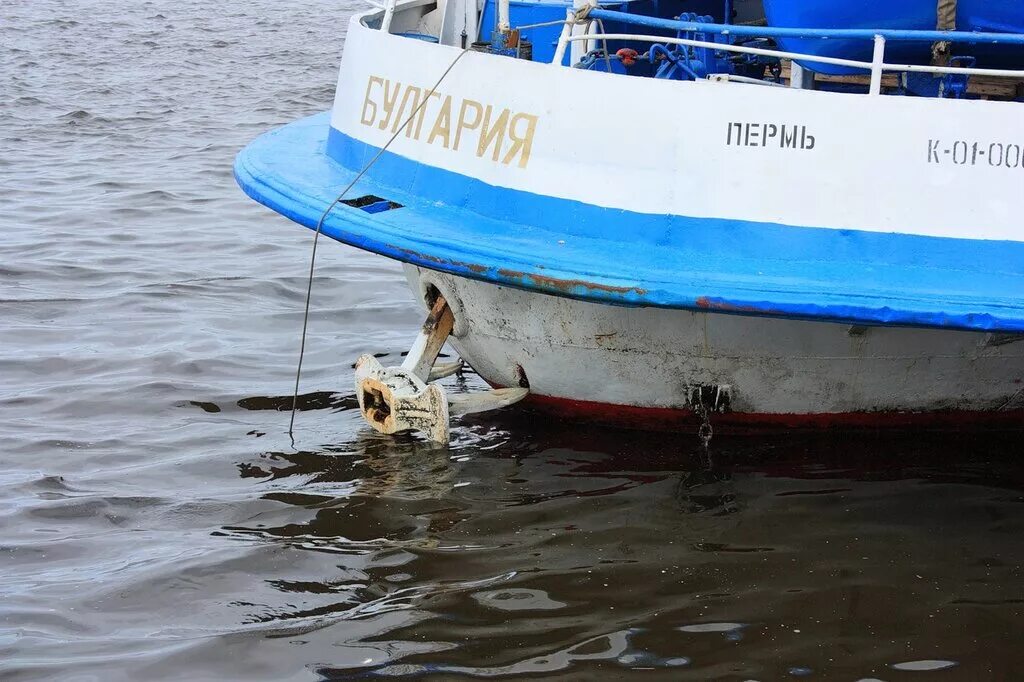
(895, 164)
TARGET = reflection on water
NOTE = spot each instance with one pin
(797, 558)
(532, 548)
(156, 522)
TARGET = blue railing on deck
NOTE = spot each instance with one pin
(823, 33)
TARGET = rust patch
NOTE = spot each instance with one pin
(472, 267)
(422, 256)
(705, 303)
(542, 281)
(438, 312)
(568, 285)
(521, 378)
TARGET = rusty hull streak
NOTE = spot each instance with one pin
(705, 303)
(568, 285)
(472, 267)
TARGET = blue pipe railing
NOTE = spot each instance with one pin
(823, 33)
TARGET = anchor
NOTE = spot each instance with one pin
(397, 399)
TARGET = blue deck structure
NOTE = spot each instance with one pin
(989, 16)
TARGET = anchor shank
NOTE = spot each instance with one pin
(430, 340)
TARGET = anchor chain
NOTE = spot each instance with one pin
(705, 430)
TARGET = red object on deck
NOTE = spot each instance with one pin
(628, 56)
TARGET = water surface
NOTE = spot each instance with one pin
(157, 523)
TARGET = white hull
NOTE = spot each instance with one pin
(740, 365)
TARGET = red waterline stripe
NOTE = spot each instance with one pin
(671, 419)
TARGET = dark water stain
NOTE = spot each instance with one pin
(156, 522)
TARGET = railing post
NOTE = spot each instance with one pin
(563, 40)
(389, 13)
(877, 62)
(800, 78)
(504, 24)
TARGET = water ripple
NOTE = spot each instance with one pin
(157, 521)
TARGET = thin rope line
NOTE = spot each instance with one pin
(524, 27)
(323, 216)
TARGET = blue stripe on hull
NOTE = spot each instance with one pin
(461, 225)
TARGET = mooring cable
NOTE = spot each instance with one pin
(320, 224)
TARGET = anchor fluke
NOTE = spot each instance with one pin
(468, 403)
(444, 369)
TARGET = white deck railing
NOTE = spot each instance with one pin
(876, 67)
